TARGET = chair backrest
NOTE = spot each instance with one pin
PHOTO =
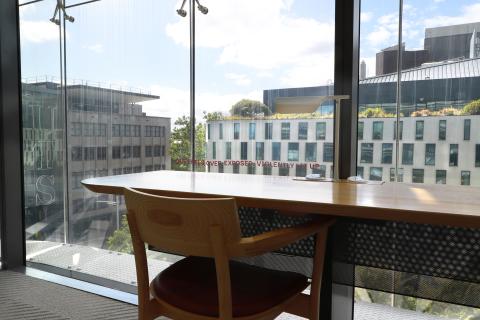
(182, 225)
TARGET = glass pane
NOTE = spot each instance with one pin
(43, 125)
(262, 80)
(115, 122)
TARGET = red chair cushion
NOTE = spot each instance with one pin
(191, 285)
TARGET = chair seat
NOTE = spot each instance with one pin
(191, 285)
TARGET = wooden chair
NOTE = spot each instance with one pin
(207, 285)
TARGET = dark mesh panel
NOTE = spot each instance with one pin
(255, 221)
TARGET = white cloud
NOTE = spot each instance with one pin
(239, 79)
(385, 31)
(366, 17)
(470, 13)
(97, 48)
(38, 31)
(438, 1)
(262, 35)
(174, 102)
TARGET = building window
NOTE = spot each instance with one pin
(127, 170)
(244, 151)
(430, 154)
(156, 151)
(236, 131)
(376, 173)
(395, 130)
(328, 152)
(77, 154)
(320, 170)
(101, 153)
(77, 178)
(89, 153)
(400, 175)
(276, 151)
(163, 151)
(251, 169)
(259, 150)
(292, 151)
(442, 130)
(116, 152)
(311, 151)
(285, 132)
(465, 178)
(417, 175)
(220, 131)
(136, 151)
(387, 152)
(228, 150)
(137, 132)
(419, 128)
(127, 152)
(148, 168)
(360, 130)
(117, 171)
(284, 171)
(220, 167)
(302, 130)
(214, 150)
(407, 154)
(453, 155)
(268, 131)
(321, 131)
(76, 128)
(128, 130)
(360, 172)
(366, 153)
(267, 171)
(377, 132)
(209, 131)
(467, 124)
(117, 130)
(137, 169)
(236, 168)
(251, 131)
(300, 170)
(157, 167)
(148, 151)
(477, 155)
(441, 176)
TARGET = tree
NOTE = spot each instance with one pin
(249, 108)
(213, 116)
(180, 144)
(120, 240)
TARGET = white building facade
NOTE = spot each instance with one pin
(434, 149)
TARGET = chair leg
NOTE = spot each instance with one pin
(318, 261)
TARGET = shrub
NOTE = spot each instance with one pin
(375, 113)
(422, 113)
(472, 108)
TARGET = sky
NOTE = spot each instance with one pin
(242, 46)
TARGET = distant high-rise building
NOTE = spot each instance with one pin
(452, 42)
(386, 60)
(440, 44)
(363, 70)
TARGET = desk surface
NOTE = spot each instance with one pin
(432, 204)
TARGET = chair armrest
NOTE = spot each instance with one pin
(276, 239)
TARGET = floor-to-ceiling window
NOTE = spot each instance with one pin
(432, 99)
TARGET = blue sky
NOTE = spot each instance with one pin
(243, 46)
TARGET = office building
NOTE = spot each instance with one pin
(108, 134)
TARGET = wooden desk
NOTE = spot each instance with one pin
(433, 204)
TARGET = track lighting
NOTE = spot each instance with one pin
(60, 7)
(181, 12)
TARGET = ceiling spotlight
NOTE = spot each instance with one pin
(202, 9)
(56, 21)
(69, 18)
(182, 13)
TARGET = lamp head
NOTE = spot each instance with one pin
(69, 18)
(202, 9)
(182, 13)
